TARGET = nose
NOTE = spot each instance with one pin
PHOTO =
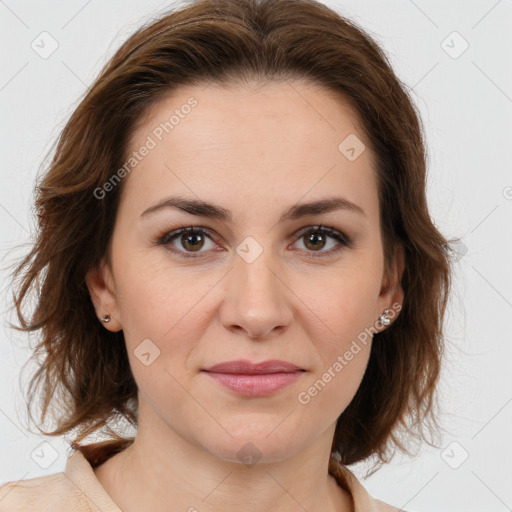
(256, 298)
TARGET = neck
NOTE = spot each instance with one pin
(161, 471)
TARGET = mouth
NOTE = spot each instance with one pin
(255, 379)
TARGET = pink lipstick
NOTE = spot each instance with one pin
(255, 379)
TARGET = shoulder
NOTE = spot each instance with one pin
(76, 488)
(384, 507)
(50, 492)
(362, 500)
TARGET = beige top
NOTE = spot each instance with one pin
(76, 489)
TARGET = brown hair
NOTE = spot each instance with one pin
(83, 366)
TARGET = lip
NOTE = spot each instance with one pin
(242, 366)
(255, 379)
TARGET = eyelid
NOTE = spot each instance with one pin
(327, 230)
(343, 241)
(173, 234)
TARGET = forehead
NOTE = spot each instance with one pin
(305, 111)
(243, 140)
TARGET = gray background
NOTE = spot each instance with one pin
(465, 98)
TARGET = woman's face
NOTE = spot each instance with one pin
(252, 281)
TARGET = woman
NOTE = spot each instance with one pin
(235, 255)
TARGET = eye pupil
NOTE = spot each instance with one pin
(192, 239)
(314, 237)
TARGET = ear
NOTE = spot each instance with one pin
(101, 286)
(392, 294)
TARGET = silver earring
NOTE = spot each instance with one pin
(105, 318)
(384, 318)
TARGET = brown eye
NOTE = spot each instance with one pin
(188, 242)
(192, 241)
(317, 238)
(315, 241)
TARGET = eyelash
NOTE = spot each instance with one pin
(343, 240)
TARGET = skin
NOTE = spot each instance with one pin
(254, 150)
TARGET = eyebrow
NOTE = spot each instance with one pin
(204, 209)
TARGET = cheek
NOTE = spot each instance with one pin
(340, 323)
(342, 307)
(330, 392)
(162, 318)
(156, 299)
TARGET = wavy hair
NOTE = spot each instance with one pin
(83, 381)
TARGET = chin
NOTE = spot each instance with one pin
(251, 446)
